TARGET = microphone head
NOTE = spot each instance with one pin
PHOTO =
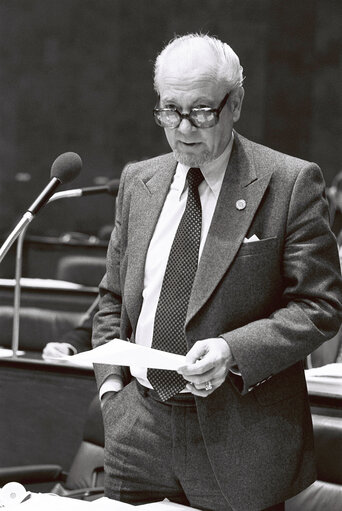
(66, 167)
(113, 186)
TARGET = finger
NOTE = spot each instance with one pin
(56, 349)
(201, 387)
(214, 383)
(198, 351)
(200, 361)
(50, 350)
(199, 392)
(199, 379)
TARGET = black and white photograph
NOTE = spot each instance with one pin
(171, 255)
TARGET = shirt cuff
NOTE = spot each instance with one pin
(235, 370)
(71, 348)
(111, 384)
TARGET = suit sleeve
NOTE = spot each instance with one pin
(310, 311)
(80, 336)
(106, 324)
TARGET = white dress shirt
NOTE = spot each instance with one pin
(160, 246)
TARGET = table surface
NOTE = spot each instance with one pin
(33, 360)
(324, 386)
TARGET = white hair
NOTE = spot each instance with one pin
(226, 66)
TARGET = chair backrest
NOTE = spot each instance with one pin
(37, 326)
(326, 492)
(87, 468)
(85, 270)
(327, 353)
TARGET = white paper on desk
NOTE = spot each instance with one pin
(124, 353)
(46, 501)
(5, 353)
(66, 361)
(105, 504)
(166, 505)
(332, 370)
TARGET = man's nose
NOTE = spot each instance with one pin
(185, 126)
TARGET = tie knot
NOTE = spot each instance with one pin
(194, 177)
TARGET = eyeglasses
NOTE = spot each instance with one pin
(199, 117)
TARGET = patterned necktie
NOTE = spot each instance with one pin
(169, 321)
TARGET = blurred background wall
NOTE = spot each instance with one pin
(76, 75)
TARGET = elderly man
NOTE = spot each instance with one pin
(221, 251)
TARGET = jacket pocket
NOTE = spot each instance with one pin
(258, 247)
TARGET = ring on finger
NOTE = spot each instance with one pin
(208, 385)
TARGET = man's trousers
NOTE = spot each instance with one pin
(155, 450)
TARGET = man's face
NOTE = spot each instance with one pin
(187, 83)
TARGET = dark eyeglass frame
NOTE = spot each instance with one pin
(189, 116)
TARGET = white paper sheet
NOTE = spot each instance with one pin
(5, 353)
(166, 505)
(124, 353)
(105, 504)
(44, 502)
(51, 502)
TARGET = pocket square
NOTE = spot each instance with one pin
(252, 238)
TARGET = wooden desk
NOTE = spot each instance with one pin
(43, 407)
(49, 294)
(325, 395)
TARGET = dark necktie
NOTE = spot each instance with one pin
(169, 321)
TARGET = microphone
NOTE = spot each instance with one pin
(111, 187)
(65, 168)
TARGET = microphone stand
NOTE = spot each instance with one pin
(19, 232)
(17, 292)
(21, 226)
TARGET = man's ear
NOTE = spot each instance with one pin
(236, 103)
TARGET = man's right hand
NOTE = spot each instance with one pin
(57, 350)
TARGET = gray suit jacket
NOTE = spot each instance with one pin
(274, 301)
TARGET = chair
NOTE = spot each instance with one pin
(85, 478)
(85, 270)
(327, 353)
(326, 492)
(37, 326)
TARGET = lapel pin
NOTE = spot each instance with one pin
(240, 204)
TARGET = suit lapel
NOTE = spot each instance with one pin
(230, 224)
(227, 231)
(148, 198)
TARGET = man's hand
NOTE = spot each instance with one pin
(57, 349)
(207, 361)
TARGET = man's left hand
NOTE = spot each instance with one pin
(208, 360)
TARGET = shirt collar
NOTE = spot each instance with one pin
(213, 171)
